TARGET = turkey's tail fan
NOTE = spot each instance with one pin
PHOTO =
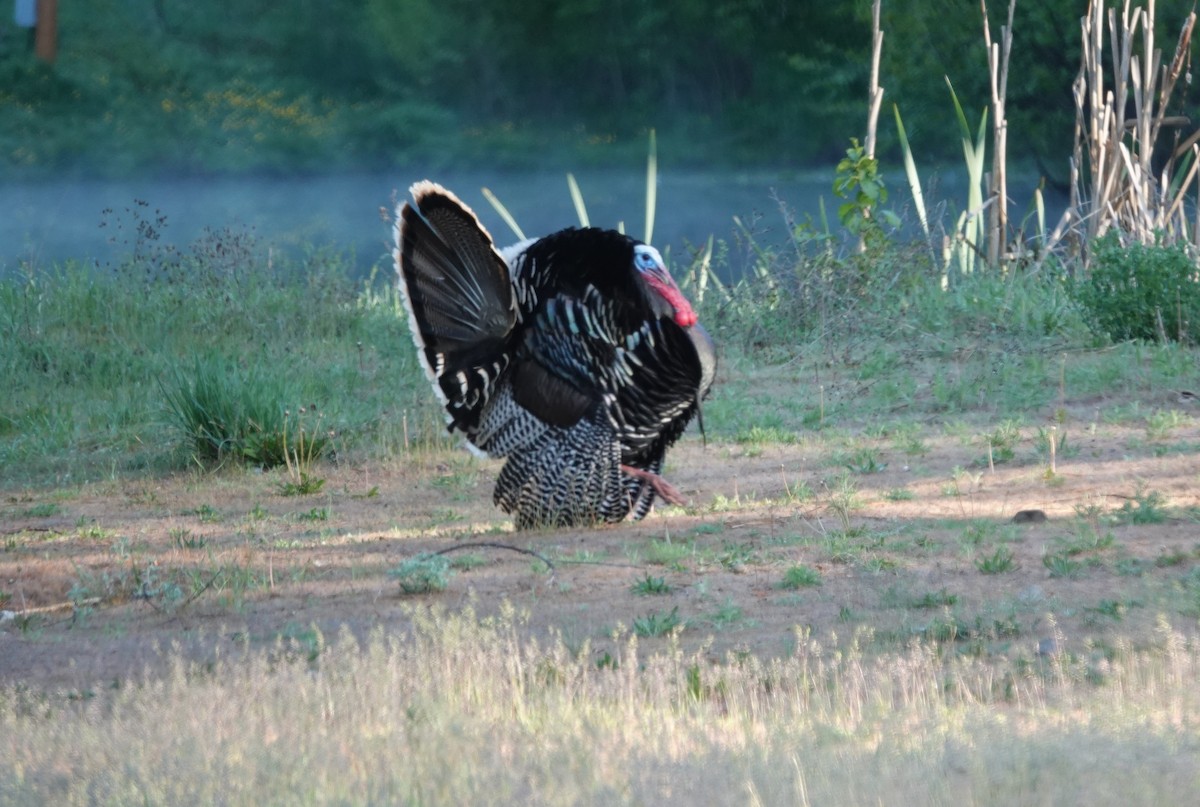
(460, 301)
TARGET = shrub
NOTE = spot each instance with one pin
(423, 574)
(1141, 292)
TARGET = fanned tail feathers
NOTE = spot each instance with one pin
(459, 298)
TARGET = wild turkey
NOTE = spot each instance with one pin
(575, 356)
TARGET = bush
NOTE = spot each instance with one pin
(1141, 292)
(423, 574)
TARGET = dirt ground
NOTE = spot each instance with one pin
(98, 582)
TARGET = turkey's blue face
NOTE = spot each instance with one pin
(649, 263)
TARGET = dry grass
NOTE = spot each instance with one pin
(1114, 183)
(463, 711)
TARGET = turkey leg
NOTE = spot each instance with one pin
(668, 492)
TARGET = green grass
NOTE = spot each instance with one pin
(135, 392)
(800, 576)
(667, 552)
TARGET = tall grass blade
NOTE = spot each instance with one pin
(651, 186)
(973, 153)
(1040, 205)
(504, 214)
(910, 170)
(577, 198)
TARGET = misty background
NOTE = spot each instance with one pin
(299, 119)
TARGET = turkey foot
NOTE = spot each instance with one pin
(669, 493)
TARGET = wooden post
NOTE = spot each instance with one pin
(46, 39)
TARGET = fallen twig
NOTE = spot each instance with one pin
(494, 545)
(46, 609)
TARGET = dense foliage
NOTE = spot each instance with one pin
(1141, 291)
(264, 85)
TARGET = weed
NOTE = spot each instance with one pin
(207, 513)
(667, 552)
(300, 453)
(909, 441)
(1062, 565)
(650, 585)
(1113, 609)
(800, 576)
(302, 485)
(1087, 539)
(1146, 507)
(899, 495)
(422, 574)
(865, 461)
(765, 435)
(998, 562)
(1131, 567)
(1169, 558)
(300, 642)
(658, 624)
(734, 556)
(1160, 424)
(977, 532)
(935, 599)
(945, 628)
(185, 539)
(1003, 441)
(726, 615)
(797, 492)
(962, 483)
(878, 564)
(43, 510)
(843, 498)
(315, 514)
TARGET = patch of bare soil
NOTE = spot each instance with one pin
(918, 542)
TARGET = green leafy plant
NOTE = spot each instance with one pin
(998, 562)
(935, 599)
(1140, 291)
(423, 574)
(865, 461)
(800, 576)
(1062, 565)
(651, 585)
(657, 624)
(858, 182)
(1146, 507)
(315, 514)
(1002, 442)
